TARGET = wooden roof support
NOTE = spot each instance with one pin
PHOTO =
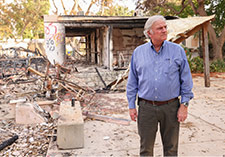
(205, 50)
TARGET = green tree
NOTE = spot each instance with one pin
(184, 8)
(23, 18)
(116, 10)
(100, 4)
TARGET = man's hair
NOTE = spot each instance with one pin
(151, 20)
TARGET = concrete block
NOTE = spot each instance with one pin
(70, 129)
(26, 114)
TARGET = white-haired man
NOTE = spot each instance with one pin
(159, 74)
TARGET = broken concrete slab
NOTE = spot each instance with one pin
(27, 114)
(70, 129)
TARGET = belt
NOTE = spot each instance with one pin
(158, 103)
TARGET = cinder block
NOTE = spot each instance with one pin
(26, 114)
(70, 129)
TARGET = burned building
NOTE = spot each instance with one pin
(109, 41)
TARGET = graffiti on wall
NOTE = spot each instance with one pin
(54, 37)
(55, 42)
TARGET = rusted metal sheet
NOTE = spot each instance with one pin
(180, 28)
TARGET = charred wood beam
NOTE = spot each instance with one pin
(18, 63)
(20, 81)
(99, 25)
(8, 142)
(100, 77)
(109, 119)
(113, 84)
(13, 63)
(35, 72)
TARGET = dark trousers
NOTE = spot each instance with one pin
(149, 116)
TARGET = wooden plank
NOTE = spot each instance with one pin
(205, 49)
(46, 102)
(113, 84)
(108, 119)
(35, 72)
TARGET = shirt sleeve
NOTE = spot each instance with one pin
(132, 84)
(186, 80)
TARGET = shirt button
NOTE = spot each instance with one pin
(155, 88)
(156, 97)
(156, 79)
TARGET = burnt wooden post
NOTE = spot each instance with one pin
(109, 47)
(98, 46)
(88, 48)
(205, 51)
(92, 48)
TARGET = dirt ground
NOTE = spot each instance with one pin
(202, 134)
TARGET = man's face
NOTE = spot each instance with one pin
(159, 31)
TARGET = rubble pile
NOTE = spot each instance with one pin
(33, 139)
(44, 87)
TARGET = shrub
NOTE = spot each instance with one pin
(217, 66)
(197, 65)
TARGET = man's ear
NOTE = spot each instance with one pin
(149, 34)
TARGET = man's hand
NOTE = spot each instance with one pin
(182, 113)
(133, 114)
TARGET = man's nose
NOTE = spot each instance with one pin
(164, 29)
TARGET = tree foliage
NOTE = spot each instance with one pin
(217, 7)
(167, 8)
(184, 8)
(116, 11)
(105, 8)
(23, 18)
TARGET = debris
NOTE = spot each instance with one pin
(46, 102)
(31, 139)
(29, 85)
(100, 77)
(104, 118)
(106, 138)
(40, 134)
(121, 78)
(70, 129)
(29, 114)
(8, 142)
(18, 101)
(35, 72)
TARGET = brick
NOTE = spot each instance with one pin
(26, 114)
(70, 129)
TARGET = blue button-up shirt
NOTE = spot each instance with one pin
(159, 76)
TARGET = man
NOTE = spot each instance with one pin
(159, 74)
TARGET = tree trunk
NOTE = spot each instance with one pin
(217, 42)
(217, 51)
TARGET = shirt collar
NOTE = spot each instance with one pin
(151, 45)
